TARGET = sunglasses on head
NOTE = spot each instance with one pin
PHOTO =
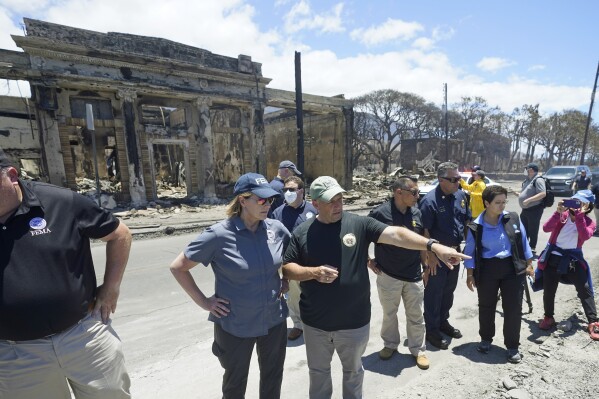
(452, 179)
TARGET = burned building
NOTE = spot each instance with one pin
(165, 114)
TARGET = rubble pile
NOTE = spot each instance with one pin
(86, 186)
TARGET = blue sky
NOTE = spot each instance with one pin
(510, 52)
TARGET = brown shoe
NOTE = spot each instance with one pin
(294, 334)
(422, 362)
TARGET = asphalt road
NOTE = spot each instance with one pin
(167, 338)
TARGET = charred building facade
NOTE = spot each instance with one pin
(164, 113)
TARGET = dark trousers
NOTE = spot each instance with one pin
(531, 220)
(577, 276)
(438, 297)
(235, 353)
(494, 275)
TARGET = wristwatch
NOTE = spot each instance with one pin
(429, 244)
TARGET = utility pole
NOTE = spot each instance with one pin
(446, 123)
(299, 111)
(586, 130)
(89, 116)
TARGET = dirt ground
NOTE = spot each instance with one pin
(559, 364)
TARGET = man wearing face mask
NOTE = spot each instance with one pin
(292, 213)
(286, 169)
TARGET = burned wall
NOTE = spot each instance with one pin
(325, 150)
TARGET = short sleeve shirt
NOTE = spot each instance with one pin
(292, 217)
(582, 183)
(445, 216)
(246, 268)
(399, 263)
(345, 303)
(531, 187)
(47, 277)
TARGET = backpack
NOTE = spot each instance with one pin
(549, 197)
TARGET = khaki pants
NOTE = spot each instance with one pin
(293, 298)
(391, 292)
(350, 346)
(87, 357)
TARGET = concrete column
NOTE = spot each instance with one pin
(259, 137)
(204, 142)
(134, 160)
(51, 147)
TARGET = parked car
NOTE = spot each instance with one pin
(561, 177)
(426, 188)
(595, 172)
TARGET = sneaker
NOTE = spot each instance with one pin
(513, 356)
(386, 353)
(594, 331)
(547, 323)
(422, 362)
(484, 346)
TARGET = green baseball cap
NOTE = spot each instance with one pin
(325, 188)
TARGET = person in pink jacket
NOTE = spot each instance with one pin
(563, 261)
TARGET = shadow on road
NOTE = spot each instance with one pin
(392, 367)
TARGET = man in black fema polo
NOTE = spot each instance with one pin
(55, 331)
(445, 214)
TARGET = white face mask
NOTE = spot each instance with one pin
(290, 196)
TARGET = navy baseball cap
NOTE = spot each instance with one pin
(475, 168)
(256, 184)
(532, 166)
(289, 165)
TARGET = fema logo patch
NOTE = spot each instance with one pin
(349, 240)
(37, 223)
(309, 215)
(38, 227)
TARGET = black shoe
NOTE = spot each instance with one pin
(437, 341)
(449, 330)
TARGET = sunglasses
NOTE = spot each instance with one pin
(262, 201)
(452, 179)
(291, 189)
(415, 192)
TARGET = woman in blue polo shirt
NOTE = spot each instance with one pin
(245, 252)
(501, 255)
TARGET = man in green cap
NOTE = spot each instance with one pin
(328, 255)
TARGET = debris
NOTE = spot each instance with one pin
(565, 325)
(508, 383)
(518, 394)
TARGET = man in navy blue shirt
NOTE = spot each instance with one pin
(292, 213)
(286, 169)
(445, 213)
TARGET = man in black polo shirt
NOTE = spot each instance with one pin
(55, 328)
(328, 255)
(399, 274)
(445, 214)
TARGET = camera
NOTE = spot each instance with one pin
(572, 203)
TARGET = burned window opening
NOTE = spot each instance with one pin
(164, 121)
(107, 157)
(169, 169)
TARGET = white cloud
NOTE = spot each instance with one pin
(493, 64)
(443, 33)
(229, 27)
(301, 17)
(538, 67)
(423, 43)
(392, 29)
